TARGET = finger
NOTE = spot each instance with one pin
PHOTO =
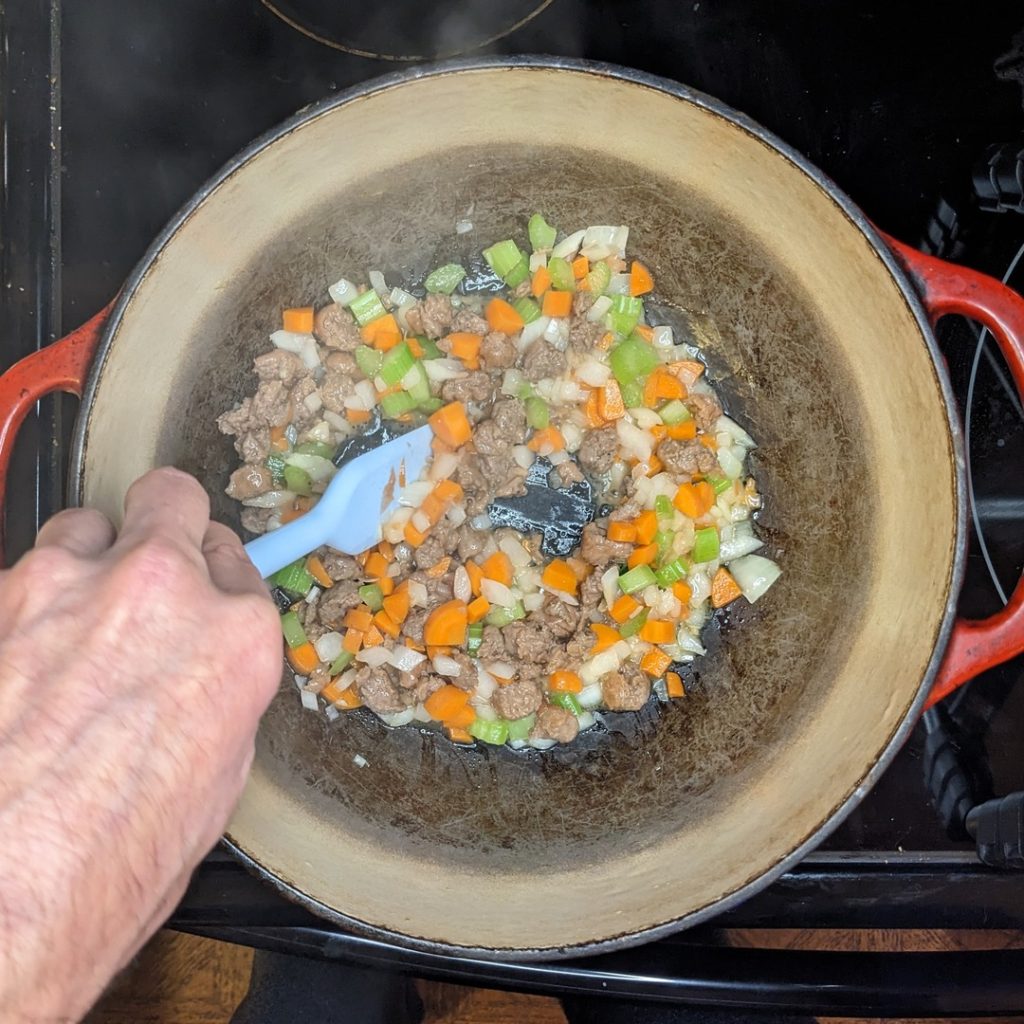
(228, 564)
(165, 503)
(83, 531)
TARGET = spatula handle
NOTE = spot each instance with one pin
(278, 548)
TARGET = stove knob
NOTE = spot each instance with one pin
(998, 828)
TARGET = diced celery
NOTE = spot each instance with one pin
(705, 545)
(499, 616)
(720, 483)
(519, 728)
(599, 278)
(632, 392)
(397, 363)
(672, 573)
(419, 389)
(632, 361)
(495, 733)
(633, 625)
(372, 596)
(431, 405)
(445, 279)
(567, 701)
(324, 451)
(537, 413)
(674, 412)
(340, 663)
(294, 634)
(561, 274)
(503, 257)
(664, 538)
(275, 463)
(542, 234)
(636, 579)
(294, 578)
(368, 360)
(398, 403)
(527, 309)
(298, 480)
(624, 314)
(474, 638)
(518, 274)
(525, 391)
(429, 346)
(663, 508)
(367, 307)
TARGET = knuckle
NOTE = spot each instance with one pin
(48, 564)
(159, 560)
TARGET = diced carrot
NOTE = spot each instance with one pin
(687, 370)
(559, 576)
(724, 588)
(546, 441)
(387, 549)
(685, 431)
(383, 621)
(360, 618)
(592, 410)
(706, 493)
(299, 320)
(444, 703)
(683, 592)
(459, 735)
(654, 465)
(451, 424)
(352, 641)
(289, 515)
(642, 556)
(581, 569)
(373, 637)
(386, 584)
(446, 625)
(316, 569)
(397, 605)
(693, 500)
(433, 508)
(498, 567)
(646, 525)
(580, 267)
(346, 697)
(622, 532)
(461, 719)
(655, 662)
(709, 441)
(674, 685)
(465, 346)
(412, 536)
(658, 631)
(476, 575)
(278, 442)
(605, 341)
(565, 682)
(557, 304)
(357, 415)
(640, 280)
(645, 332)
(376, 565)
(477, 609)
(501, 316)
(625, 607)
(448, 491)
(605, 637)
(651, 391)
(541, 282)
(668, 386)
(303, 659)
(440, 567)
(609, 401)
(438, 652)
(415, 347)
(382, 333)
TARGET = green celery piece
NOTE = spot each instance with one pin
(503, 257)
(519, 728)
(368, 360)
(445, 280)
(632, 361)
(474, 638)
(537, 413)
(542, 234)
(397, 363)
(419, 390)
(633, 393)
(298, 480)
(567, 701)
(325, 451)
(431, 405)
(396, 404)
(275, 463)
(527, 309)
(495, 733)
(673, 572)
(294, 578)
(705, 545)
(624, 315)
(634, 625)
(525, 391)
(499, 616)
(429, 346)
(663, 508)
(372, 596)
(720, 483)
(674, 412)
(636, 579)
(340, 663)
(367, 307)
(561, 274)
(518, 274)
(599, 278)
(664, 538)
(294, 634)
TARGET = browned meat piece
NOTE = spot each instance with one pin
(252, 436)
(685, 458)
(272, 404)
(555, 724)
(338, 566)
(626, 511)
(308, 615)
(470, 322)
(581, 303)
(468, 676)
(439, 588)
(559, 618)
(470, 476)
(598, 452)
(247, 481)
(573, 652)
(335, 603)
(335, 327)
(568, 473)
(413, 625)
(492, 645)
(705, 410)
(432, 316)
(518, 699)
(335, 388)
(255, 519)
(277, 364)
(378, 691)
(302, 389)
(591, 592)
(426, 686)
(507, 476)
(442, 540)
(343, 362)
(541, 360)
(506, 427)
(471, 542)
(522, 289)
(528, 640)
(498, 351)
(477, 387)
(598, 550)
(625, 692)
(584, 335)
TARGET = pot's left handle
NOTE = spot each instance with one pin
(975, 645)
(62, 366)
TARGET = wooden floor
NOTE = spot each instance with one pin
(180, 979)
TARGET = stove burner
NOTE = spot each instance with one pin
(401, 30)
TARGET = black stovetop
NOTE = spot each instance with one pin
(114, 114)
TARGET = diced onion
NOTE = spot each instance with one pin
(739, 435)
(601, 306)
(337, 421)
(701, 587)
(645, 419)
(309, 355)
(532, 602)
(603, 240)
(463, 227)
(557, 458)
(593, 373)
(541, 744)
(635, 442)
(497, 593)
(309, 699)
(619, 285)
(517, 554)
(461, 586)
(328, 646)
(481, 522)
(314, 593)
(374, 656)
(359, 761)
(444, 465)
(400, 297)
(523, 456)
(316, 466)
(556, 334)
(590, 696)
(417, 594)
(366, 391)
(405, 659)
(414, 494)
(569, 246)
(538, 260)
(484, 710)
(689, 643)
(511, 382)
(331, 713)
(610, 584)
(420, 714)
(661, 337)
(420, 521)
(532, 331)
(586, 720)
(739, 545)
(379, 285)
(755, 575)
(344, 292)
(398, 718)
(444, 369)
(446, 666)
(289, 341)
(313, 402)
(456, 515)
(731, 466)
(486, 683)
(573, 436)
(272, 499)
(501, 669)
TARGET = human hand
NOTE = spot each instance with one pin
(133, 673)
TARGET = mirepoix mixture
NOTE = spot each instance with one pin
(453, 621)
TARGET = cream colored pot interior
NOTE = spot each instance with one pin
(820, 357)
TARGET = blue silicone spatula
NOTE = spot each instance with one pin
(362, 494)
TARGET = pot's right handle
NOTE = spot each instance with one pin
(62, 366)
(945, 288)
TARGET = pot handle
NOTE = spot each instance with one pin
(62, 366)
(945, 288)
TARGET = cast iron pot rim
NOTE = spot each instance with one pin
(150, 260)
